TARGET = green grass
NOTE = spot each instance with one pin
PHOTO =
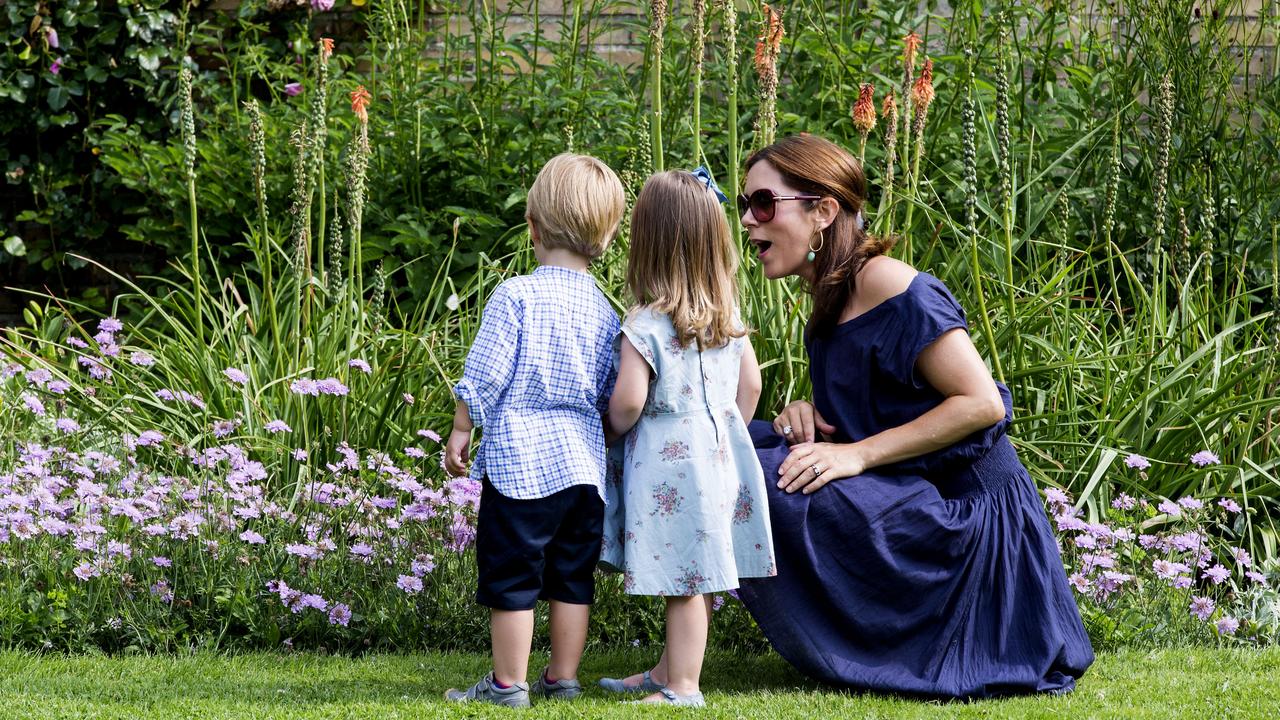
(1200, 683)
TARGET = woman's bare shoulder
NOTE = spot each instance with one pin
(881, 278)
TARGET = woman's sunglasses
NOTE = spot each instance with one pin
(762, 203)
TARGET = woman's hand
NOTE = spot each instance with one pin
(812, 465)
(798, 421)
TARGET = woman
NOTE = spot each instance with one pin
(913, 553)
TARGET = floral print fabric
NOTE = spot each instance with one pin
(685, 497)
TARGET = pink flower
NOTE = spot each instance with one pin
(408, 399)
(293, 88)
(430, 435)
(1079, 582)
(1229, 505)
(56, 68)
(52, 38)
(322, 5)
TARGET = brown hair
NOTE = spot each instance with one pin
(683, 259)
(811, 164)
(576, 202)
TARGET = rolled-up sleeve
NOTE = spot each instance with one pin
(491, 362)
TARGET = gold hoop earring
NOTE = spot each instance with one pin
(813, 251)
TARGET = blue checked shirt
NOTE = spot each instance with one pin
(537, 379)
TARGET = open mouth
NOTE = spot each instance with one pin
(762, 247)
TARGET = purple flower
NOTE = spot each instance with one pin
(1201, 607)
(1203, 458)
(85, 571)
(1124, 502)
(252, 538)
(422, 565)
(1168, 570)
(1227, 625)
(293, 88)
(223, 428)
(1256, 577)
(1190, 503)
(1137, 462)
(1088, 542)
(110, 325)
(331, 386)
(408, 399)
(141, 359)
(362, 550)
(360, 365)
(236, 376)
(1242, 557)
(33, 403)
(76, 342)
(304, 551)
(322, 5)
(311, 600)
(431, 435)
(410, 584)
(162, 561)
(414, 452)
(58, 387)
(149, 437)
(52, 38)
(1218, 574)
(340, 614)
(1056, 496)
(1229, 505)
(278, 426)
(56, 68)
(1170, 508)
(304, 386)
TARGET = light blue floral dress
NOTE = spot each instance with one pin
(685, 497)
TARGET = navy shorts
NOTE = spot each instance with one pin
(540, 549)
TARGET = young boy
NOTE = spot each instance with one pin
(537, 380)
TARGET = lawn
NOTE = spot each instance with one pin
(1198, 683)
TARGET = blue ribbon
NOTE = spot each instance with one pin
(704, 176)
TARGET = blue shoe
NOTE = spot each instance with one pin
(516, 696)
(669, 697)
(647, 685)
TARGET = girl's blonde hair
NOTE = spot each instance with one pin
(683, 259)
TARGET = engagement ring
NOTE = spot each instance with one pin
(816, 470)
(786, 429)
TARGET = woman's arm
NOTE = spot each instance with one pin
(629, 393)
(953, 367)
(749, 383)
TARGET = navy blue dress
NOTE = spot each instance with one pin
(935, 576)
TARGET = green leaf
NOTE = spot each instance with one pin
(57, 98)
(95, 74)
(14, 246)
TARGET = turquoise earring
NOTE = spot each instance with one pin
(813, 251)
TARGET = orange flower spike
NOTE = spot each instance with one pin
(922, 93)
(360, 99)
(864, 111)
(912, 42)
(326, 48)
(889, 109)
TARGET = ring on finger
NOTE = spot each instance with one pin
(817, 469)
(786, 429)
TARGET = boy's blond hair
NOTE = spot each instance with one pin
(684, 261)
(576, 202)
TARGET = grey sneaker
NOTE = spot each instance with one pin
(647, 685)
(562, 689)
(516, 696)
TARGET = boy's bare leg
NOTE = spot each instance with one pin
(568, 638)
(512, 636)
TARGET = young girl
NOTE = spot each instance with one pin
(690, 517)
